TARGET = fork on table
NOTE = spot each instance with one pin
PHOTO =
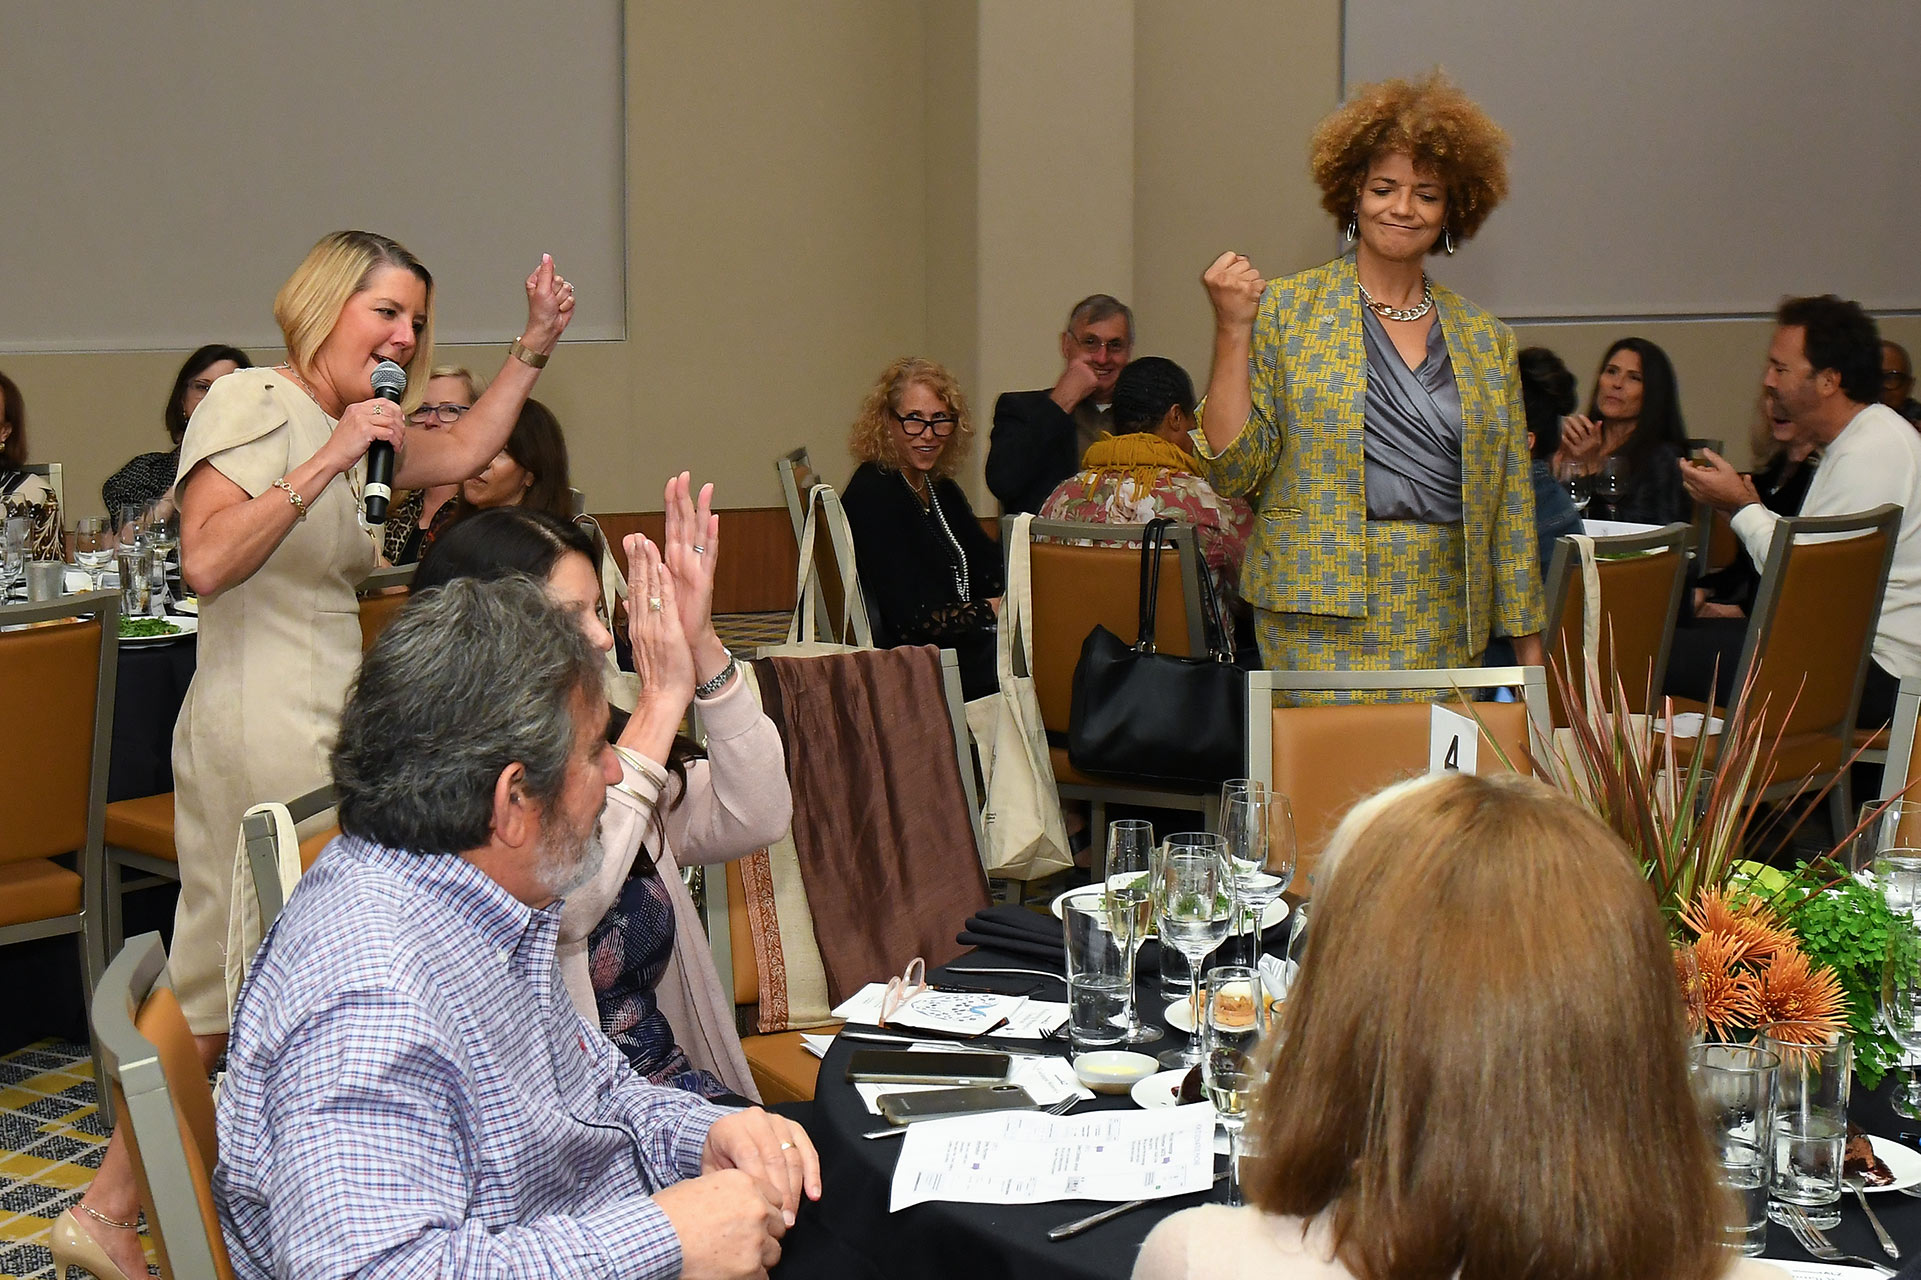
(1816, 1241)
(1060, 1108)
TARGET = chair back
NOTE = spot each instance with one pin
(797, 480)
(827, 588)
(1903, 765)
(1642, 578)
(576, 503)
(1324, 758)
(60, 670)
(56, 481)
(276, 856)
(1811, 635)
(1077, 587)
(160, 1092)
(380, 604)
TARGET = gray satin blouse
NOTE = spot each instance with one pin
(1411, 430)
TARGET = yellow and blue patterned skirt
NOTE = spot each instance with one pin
(1416, 616)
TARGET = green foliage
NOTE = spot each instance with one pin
(1848, 926)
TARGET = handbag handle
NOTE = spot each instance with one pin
(1220, 638)
(1153, 539)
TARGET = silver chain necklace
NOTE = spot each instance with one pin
(1386, 312)
(962, 583)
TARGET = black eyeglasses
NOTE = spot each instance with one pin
(1892, 377)
(1113, 346)
(445, 414)
(913, 424)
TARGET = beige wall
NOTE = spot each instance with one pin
(814, 189)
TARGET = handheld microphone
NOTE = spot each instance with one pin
(390, 383)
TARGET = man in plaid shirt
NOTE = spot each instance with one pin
(409, 1089)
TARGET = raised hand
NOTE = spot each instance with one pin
(550, 306)
(1234, 288)
(692, 548)
(662, 659)
(1076, 383)
(1582, 439)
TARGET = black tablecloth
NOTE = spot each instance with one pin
(1009, 1242)
(150, 682)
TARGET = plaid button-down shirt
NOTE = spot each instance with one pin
(411, 1093)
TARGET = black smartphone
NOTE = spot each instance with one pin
(939, 1104)
(900, 1066)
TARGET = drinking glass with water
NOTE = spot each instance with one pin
(1734, 1085)
(1098, 996)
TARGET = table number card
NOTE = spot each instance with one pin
(1453, 742)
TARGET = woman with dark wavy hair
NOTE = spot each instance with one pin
(1634, 414)
(149, 475)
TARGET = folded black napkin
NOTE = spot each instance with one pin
(1016, 931)
(1026, 950)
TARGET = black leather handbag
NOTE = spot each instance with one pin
(1139, 714)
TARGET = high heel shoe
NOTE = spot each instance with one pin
(72, 1246)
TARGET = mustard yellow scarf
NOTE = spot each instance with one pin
(1139, 455)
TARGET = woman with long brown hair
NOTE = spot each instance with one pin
(1481, 1071)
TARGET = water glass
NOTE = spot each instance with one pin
(130, 528)
(46, 580)
(1195, 908)
(1098, 997)
(135, 589)
(1128, 874)
(1810, 1121)
(1233, 1059)
(1734, 1084)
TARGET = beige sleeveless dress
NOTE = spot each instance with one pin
(276, 654)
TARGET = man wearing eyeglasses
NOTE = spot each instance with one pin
(1039, 436)
(1897, 382)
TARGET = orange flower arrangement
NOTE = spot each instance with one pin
(1744, 972)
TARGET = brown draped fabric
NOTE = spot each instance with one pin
(885, 841)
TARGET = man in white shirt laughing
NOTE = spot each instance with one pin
(1824, 380)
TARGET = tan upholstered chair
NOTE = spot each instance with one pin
(1077, 588)
(784, 1071)
(1808, 646)
(1324, 758)
(1642, 578)
(60, 666)
(381, 601)
(139, 854)
(160, 1091)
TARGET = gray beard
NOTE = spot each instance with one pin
(564, 869)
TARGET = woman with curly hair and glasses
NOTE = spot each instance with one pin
(1374, 414)
(930, 575)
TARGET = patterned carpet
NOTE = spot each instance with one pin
(51, 1141)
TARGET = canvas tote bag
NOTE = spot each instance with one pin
(1022, 836)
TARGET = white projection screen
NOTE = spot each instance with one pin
(1700, 158)
(164, 167)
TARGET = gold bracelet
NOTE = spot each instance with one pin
(527, 355)
(299, 503)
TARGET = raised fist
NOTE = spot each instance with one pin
(1234, 287)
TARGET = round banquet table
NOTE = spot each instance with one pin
(150, 682)
(943, 1240)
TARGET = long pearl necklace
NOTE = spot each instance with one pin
(1386, 312)
(963, 584)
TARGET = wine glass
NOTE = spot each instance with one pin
(1258, 826)
(1128, 877)
(1233, 1062)
(163, 536)
(13, 554)
(130, 529)
(92, 548)
(1577, 479)
(1901, 976)
(1196, 905)
(1611, 484)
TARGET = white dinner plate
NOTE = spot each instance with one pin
(187, 627)
(1275, 912)
(1903, 1162)
(1180, 1014)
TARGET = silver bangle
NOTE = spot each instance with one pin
(712, 687)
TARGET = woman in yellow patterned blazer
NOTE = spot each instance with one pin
(1375, 416)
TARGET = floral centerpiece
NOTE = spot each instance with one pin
(1799, 952)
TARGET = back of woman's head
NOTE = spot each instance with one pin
(1146, 390)
(1660, 421)
(1548, 394)
(498, 541)
(1483, 1071)
(13, 412)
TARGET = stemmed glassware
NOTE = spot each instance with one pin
(1901, 1015)
(1258, 826)
(92, 548)
(130, 530)
(163, 536)
(1129, 880)
(1611, 484)
(13, 554)
(1233, 1059)
(1577, 479)
(1195, 905)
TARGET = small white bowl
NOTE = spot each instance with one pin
(1113, 1070)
